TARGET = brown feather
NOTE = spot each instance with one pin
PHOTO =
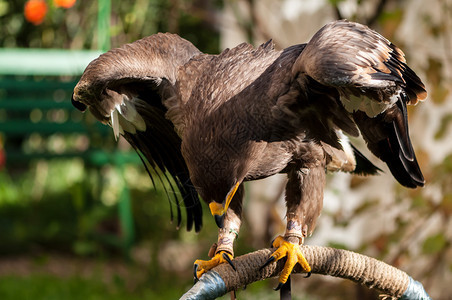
(248, 113)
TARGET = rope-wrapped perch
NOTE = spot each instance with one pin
(323, 260)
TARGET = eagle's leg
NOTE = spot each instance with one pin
(224, 248)
(304, 200)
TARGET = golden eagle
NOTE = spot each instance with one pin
(212, 122)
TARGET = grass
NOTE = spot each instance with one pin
(48, 287)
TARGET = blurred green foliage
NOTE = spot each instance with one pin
(51, 206)
(75, 28)
(45, 287)
(434, 244)
(69, 206)
(74, 288)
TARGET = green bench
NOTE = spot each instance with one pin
(35, 109)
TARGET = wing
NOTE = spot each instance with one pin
(374, 84)
(127, 88)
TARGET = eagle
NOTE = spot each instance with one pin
(208, 123)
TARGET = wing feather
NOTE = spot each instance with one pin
(347, 55)
(375, 85)
(126, 88)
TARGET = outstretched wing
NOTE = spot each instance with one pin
(127, 88)
(374, 84)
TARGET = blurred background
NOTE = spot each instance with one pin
(80, 219)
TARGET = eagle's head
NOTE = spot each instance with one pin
(97, 101)
(217, 167)
(218, 194)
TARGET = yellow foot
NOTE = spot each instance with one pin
(293, 253)
(202, 266)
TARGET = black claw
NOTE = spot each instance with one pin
(308, 275)
(228, 259)
(269, 261)
(195, 270)
(271, 244)
(279, 286)
(219, 220)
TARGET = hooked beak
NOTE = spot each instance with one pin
(79, 105)
(219, 210)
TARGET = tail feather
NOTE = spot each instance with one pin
(400, 125)
(363, 165)
(387, 137)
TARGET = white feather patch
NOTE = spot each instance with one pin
(115, 123)
(345, 143)
(126, 125)
(371, 107)
(124, 117)
(129, 112)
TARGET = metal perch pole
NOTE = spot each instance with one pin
(362, 269)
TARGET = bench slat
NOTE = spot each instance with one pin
(20, 127)
(29, 104)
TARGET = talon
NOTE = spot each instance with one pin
(195, 270)
(202, 266)
(229, 261)
(269, 261)
(293, 254)
(308, 275)
(279, 286)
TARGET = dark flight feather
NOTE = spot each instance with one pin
(140, 75)
(363, 165)
(387, 137)
(161, 144)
